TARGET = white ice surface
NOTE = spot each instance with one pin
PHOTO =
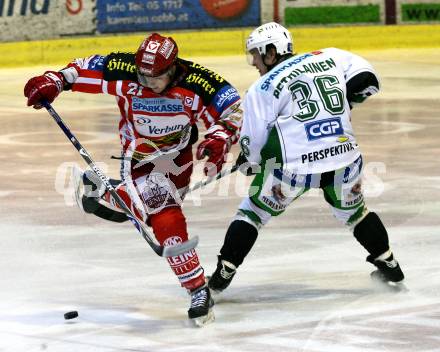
(293, 294)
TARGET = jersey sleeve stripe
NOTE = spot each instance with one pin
(208, 119)
(87, 80)
(119, 88)
(90, 73)
(104, 87)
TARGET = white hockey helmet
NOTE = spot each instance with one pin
(270, 33)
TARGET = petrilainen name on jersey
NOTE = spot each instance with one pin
(312, 67)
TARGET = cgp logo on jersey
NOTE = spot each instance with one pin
(324, 128)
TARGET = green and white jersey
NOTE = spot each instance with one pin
(299, 112)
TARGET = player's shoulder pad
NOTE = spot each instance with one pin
(335, 51)
(207, 84)
(120, 66)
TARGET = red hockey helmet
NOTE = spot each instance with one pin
(156, 55)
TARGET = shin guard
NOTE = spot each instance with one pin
(169, 227)
(372, 235)
(239, 240)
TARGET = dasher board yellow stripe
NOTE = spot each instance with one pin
(222, 43)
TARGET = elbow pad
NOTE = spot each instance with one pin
(362, 86)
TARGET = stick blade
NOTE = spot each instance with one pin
(172, 251)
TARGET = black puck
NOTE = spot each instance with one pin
(70, 315)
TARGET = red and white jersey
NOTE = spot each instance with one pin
(164, 119)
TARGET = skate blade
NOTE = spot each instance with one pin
(202, 321)
(215, 294)
(389, 286)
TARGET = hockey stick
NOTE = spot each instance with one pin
(210, 179)
(203, 183)
(164, 251)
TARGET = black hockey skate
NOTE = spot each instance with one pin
(200, 312)
(222, 276)
(388, 274)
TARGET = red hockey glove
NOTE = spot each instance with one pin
(215, 146)
(45, 87)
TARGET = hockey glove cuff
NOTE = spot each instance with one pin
(215, 146)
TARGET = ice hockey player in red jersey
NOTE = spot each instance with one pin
(160, 97)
